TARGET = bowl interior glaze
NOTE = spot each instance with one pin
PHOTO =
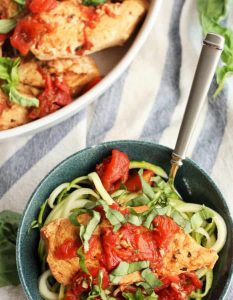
(193, 184)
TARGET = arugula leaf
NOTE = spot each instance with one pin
(6, 25)
(212, 14)
(8, 231)
(85, 231)
(9, 73)
(93, 2)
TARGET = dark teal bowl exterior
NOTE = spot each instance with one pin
(193, 184)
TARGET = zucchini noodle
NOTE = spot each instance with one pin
(220, 224)
(84, 193)
(44, 287)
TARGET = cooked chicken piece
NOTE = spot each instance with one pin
(73, 33)
(8, 9)
(11, 115)
(54, 234)
(75, 72)
(184, 254)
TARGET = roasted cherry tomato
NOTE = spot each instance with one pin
(178, 287)
(38, 6)
(25, 34)
(55, 96)
(114, 170)
(68, 249)
(164, 230)
(130, 243)
(133, 184)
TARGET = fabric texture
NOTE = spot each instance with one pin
(146, 103)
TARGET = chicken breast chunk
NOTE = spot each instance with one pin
(184, 254)
(8, 9)
(11, 115)
(77, 29)
(77, 73)
(54, 234)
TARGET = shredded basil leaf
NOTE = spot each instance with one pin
(9, 73)
(140, 200)
(93, 2)
(82, 260)
(146, 188)
(114, 216)
(6, 25)
(125, 268)
(21, 2)
(151, 278)
(138, 295)
(85, 231)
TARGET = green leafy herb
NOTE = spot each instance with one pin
(135, 218)
(8, 231)
(9, 73)
(85, 231)
(125, 268)
(212, 14)
(199, 217)
(82, 260)
(21, 2)
(138, 295)
(115, 217)
(140, 200)
(151, 278)
(6, 25)
(93, 2)
(146, 188)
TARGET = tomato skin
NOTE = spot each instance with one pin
(68, 249)
(70, 295)
(133, 184)
(178, 287)
(55, 95)
(25, 34)
(114, 170)
(164, 230)
(130, 243)
(38, 6)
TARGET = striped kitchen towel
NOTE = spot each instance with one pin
(146, 103)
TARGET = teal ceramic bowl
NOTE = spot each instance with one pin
(193, 184)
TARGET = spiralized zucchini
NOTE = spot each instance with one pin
(88, 191)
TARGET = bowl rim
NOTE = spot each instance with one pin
(114, 144)
(81, 102)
